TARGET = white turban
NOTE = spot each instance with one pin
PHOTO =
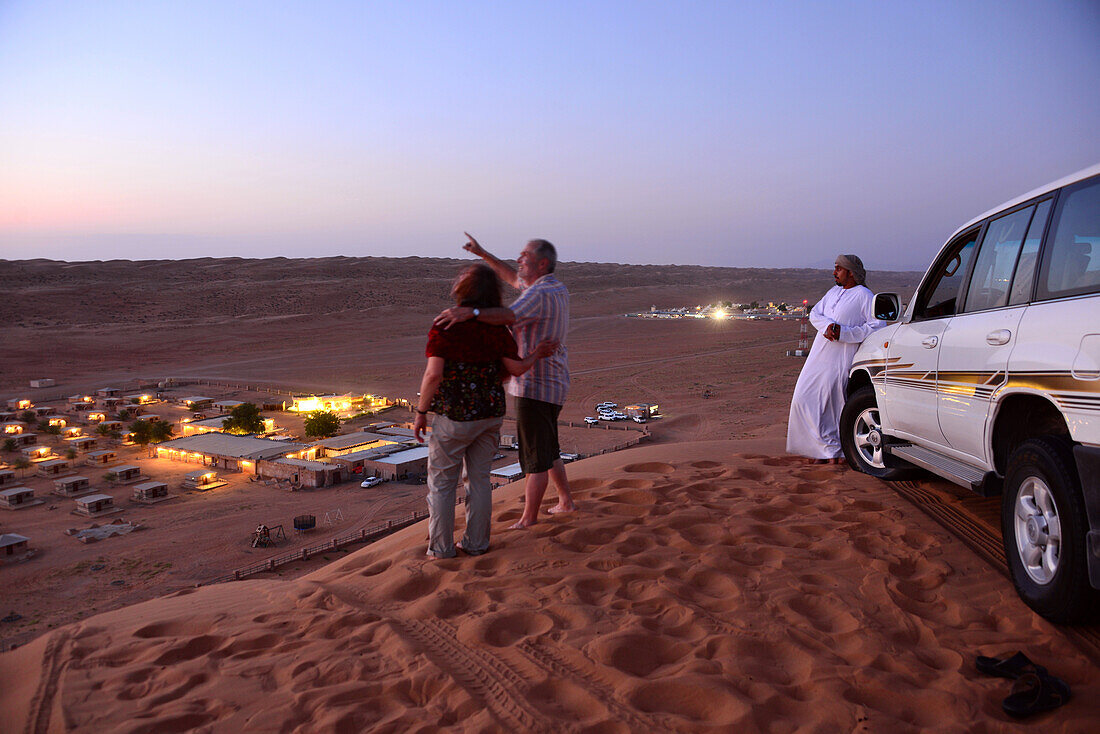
(853, 264)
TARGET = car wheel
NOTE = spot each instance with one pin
(862, 438)
(1043, 527)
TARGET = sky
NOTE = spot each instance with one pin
(741, 134)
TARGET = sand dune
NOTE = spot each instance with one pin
(711, 586)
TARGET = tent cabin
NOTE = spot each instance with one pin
(53, 468)
(197, 402)
(150, 417)
(7, 477)
(227, 405)
(7, 415)
(93, 505)
(100, 458)
(41, 411)
(56, 420)
(20, 404)
(111, 425)
(24, 439)
(11, 427)
(35, 453)
(13, 543)
(150, 492)
(202, 479)
(96, 416)
(84, 443)
(127, 473)
(72, 486)
(79, 400)
(72, 432)
(139, 399)
(107, 392)
(16, 498)
(108, 403)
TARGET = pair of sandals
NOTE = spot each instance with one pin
(1035, 689)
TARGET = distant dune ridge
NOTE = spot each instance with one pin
(704, 587)
(119, 312)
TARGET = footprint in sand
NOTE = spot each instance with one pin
(632, 484)
(190, 649)
(564, 700)
(637, 654)
(696, 699)
(504, 629)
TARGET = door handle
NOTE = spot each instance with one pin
(998, 337)
(930, 342)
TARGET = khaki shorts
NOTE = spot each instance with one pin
(537, 428)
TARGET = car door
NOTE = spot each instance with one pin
(913, 351)
(977, 342)
(1059, 357)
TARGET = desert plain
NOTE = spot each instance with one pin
(709, 582)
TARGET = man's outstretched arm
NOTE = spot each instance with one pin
(503, 270)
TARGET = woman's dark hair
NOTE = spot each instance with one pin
(477, 287)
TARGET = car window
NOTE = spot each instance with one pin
(1071, 263)
(996, 258)
(1029, 256)
(939, 297)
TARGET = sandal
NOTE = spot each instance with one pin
(1011, 667)
(1034, 693)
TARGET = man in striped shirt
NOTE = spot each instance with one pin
(541, 312)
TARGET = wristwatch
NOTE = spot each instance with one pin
(477, 312)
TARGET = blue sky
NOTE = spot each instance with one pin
(716, 133)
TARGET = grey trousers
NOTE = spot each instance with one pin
(451, 443)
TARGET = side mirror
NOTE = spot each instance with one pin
(887, 307)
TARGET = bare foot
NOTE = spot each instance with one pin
(839, 461)
(817, 461)
(558, 509)
(521, 525)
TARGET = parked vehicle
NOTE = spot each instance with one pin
(371, 482)
(591, 420)
(991, 379)
(569, 456)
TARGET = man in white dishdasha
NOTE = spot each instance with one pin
(844, 317)
(540, 313)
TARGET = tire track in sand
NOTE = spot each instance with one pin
(489, 680)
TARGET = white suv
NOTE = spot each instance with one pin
(991, 379)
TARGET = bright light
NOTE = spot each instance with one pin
(719, 314)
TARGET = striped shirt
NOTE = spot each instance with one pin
(542, 312)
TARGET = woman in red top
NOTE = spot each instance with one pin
(467, 363)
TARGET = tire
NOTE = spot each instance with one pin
(1043, 525)
(858, 421)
